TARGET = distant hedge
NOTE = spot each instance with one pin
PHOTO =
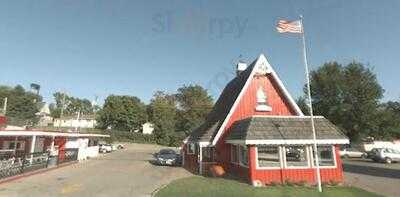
(126, 136)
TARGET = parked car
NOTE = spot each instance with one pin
(352, 153)
(167, 157)
(120, 146)
(387, 155)
(105, 148)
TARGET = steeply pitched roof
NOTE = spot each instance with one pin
(216, 117)
(284, 128)
(212, 129)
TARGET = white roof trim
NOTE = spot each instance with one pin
(204, 143)
(276, 116)
(261, 59)
(280, 142)
(286, 93)
(45, 133)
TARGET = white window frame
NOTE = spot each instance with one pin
(323, 167)
(297, 167)
(240, 156)
(189, 145)
(258, 167)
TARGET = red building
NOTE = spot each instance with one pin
(256, 131)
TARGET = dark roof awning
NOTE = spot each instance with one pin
(284, 130)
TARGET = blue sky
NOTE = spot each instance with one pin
(89, 48)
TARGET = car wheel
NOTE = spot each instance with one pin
(364, 156)
(388, 160)
(346, 156)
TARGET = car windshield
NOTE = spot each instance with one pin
(166, 151)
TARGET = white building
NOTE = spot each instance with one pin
(44, 115)
(88, 147)
(147, 128)
(84, 121)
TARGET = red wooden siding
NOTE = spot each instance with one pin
(3, 121)
(246, 108)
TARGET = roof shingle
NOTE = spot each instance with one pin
(283, 128)
(214, 120)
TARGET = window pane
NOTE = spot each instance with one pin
(268, 156)
(325, 156)
(234, 158)
(11, 145)
(296, 156)
(191, 148)
(243, 155)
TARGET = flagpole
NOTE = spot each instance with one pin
(318, 175)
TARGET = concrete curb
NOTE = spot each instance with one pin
(158, 189)
(27, 174)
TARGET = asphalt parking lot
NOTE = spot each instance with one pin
(380, 178)
(129, 172)
(122, 173)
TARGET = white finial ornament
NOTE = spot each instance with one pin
(262, 104)
(262, 69)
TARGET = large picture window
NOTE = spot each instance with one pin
(243, 155)
(296, 156)
(191, 148)
(268, 156)
(325, 156)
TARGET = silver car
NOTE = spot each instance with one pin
(387, 155)
(352, 153)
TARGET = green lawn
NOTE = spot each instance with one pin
(208, 187)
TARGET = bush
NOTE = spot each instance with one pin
(126, 136)
(174, 139)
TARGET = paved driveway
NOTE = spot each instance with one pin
(122, 173)
(375, 177)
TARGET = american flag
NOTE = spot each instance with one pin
(284, 26)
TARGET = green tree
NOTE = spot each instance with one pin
(348, 96)
(194, 104)
(125, 113)
(21, 106)
(71, 105)
(162, 113)
(388, 121)
(302, 102)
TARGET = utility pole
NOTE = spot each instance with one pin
(5, 106)
(77, 121)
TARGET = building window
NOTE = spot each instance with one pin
(93, 142)
(234, 154)
(14, 145)
(11, 145)
(207, 154)
(191, 148)
(296, 156)
(325, 156)
(268, 156)
(243, 156)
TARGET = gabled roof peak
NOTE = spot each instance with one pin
(213, 127)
